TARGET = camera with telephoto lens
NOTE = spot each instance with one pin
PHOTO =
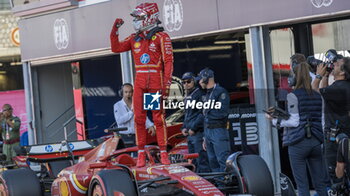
(331, 56)
(277, 112)
(313, 62)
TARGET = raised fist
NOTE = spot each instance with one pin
(118, 23)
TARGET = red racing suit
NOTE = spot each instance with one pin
(153, 60)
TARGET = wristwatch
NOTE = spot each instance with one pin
(318, 76)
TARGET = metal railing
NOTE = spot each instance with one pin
(60, 116)
(65, 127)
(62, 127)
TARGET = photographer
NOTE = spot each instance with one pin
(303, 135)
(337, 106)
(10, 131)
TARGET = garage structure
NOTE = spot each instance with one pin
(72, 77)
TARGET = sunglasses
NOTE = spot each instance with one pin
(186, 82)
(7, 109)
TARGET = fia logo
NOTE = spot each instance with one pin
(173, 15)
(151, 101)
(61, 33)
(320, 3)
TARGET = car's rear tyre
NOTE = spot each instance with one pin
(19, 182)
(106, 182)
(256, 175)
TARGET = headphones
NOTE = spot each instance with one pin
(120, 91)
(294, 64)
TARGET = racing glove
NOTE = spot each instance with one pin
(117, 24)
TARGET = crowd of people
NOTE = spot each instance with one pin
(319, 113)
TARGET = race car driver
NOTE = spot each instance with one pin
(153, 57)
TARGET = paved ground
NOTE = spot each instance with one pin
(311, 193)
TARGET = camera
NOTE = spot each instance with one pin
(277, 112)
(313, 62)
(331, 56)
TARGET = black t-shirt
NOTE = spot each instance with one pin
(343, 155)
(337, 105)
(343, 149)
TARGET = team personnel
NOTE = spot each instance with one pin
(124, 115)
(10, 131)
(303, 134)
(215, 121)
(295, 60)
(153, 58)
(193, 123)
(337, 107)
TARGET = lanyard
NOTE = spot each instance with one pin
(6, 127)
(7, 131)
(205, 112)
(211, 93)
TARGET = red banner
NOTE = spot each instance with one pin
(17, 100)
(79, 114)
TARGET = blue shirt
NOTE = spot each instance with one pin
(213, 115)
(194, 117)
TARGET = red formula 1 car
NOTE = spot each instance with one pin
(107, 170)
